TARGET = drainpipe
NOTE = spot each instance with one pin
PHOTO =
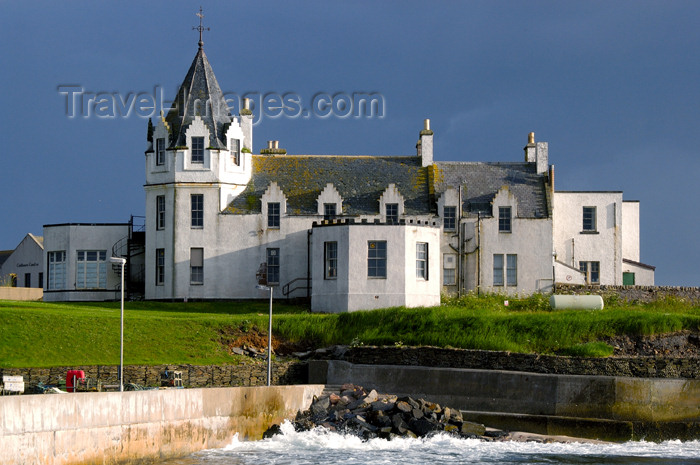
(478, 254)
(308, 265)
(460, 238)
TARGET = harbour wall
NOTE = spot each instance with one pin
(598, 407)
(117, 428)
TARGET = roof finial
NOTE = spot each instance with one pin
(200, 28)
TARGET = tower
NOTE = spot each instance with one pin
(198, 159)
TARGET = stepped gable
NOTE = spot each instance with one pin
(199, 95)
(360, 180)
(482, 180)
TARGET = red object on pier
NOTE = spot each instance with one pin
(73, 375)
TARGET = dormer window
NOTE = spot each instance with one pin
(392, 213)
(235, 148)
(198, 150)
(449, 218)
(329, 211)
(273, 215)
(160, 151)
(504, 219)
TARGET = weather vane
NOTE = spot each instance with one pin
(200, 28)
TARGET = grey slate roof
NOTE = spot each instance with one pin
(481, 181)
(360, 180)
(201, 95)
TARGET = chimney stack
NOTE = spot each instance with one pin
(537, 152)
(424, 148)
(530, 149)
(247, 125)
(273, 148)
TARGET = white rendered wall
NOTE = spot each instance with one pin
(572, 245)
(630, 230)
(71, 238)
(530, 239)
(353, 290)
(643, 276)
(28, 257)
(566, 274)
(449, 243)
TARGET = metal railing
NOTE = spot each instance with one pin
(288, 289)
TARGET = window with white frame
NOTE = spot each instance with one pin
(591, 270)
(589, 219)
(392, 212)
(504, 219)
(160, 212)
(329, 211)
(511, 270)
(449, 269)
(196, 266)
(376, 259)
(422, 260)
(498, 269)
(273, 215)
(198, 150)
(160, 151)
(160, 267)
(273, 266)
(56, 271)
(330, 257)
(449, 218)
(197, 204)
(235, 148)
(91, 269)
(505, 269)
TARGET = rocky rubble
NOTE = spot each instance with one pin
(368, 415)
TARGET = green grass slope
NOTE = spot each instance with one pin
(37, 334)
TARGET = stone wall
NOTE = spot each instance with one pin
(638, 367)
(21, 293)
(250, 373)
(634, 293)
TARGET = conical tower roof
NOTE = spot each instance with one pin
(199, 95)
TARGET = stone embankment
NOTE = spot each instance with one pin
(369, 415)
(659, 366)
(251, 372)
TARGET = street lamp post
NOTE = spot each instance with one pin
(269, 344)
(122, 262)
(261, 275)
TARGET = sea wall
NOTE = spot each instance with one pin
(644, 294)
(118, 428)
(249, 373)
(637, 367)
(619, 407)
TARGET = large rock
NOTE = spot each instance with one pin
(370, 415)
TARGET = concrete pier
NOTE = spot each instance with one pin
(119, 428)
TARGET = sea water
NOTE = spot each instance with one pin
(320, 446)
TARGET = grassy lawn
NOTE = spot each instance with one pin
(38, 334)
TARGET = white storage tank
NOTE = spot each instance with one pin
(580, 302)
